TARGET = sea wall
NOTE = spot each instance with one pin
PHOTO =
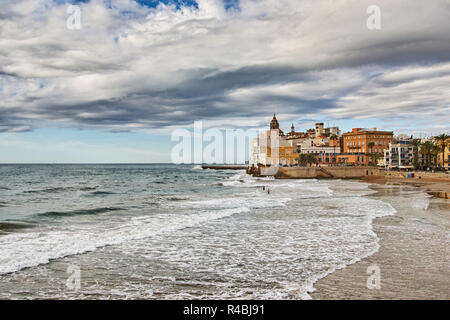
(340, 173)
(327, 172)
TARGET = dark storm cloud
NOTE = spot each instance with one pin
(170, 68)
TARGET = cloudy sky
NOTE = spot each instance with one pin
(115, 89)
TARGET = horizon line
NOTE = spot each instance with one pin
(113, 163)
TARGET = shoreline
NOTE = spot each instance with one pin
(413, 262)
(438, 187)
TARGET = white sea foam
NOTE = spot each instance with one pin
(356, 206)
(286, 257)
(22, 250)
(253, 201)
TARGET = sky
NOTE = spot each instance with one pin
(115, 89)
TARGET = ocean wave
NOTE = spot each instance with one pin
(176, 199)
(232, 183)
(57, 214)
(88, 188)
(60, 189)
(252, 201)
(12, 226)
(23, 250)
(51, 190)
(100, 193)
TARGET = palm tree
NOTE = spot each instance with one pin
(311, 158)
(443, 141)
(302, 159)
(434, 152)
(430, 151)
(306, 159)
(416, 143)
(376, 157)
(425, 150)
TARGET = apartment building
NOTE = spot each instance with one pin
(400, 154)
(364, 146)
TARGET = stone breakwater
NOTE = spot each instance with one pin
(326, 172)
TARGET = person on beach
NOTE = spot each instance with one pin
(264, 188)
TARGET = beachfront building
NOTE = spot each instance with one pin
(364, 146)
(323, 154)
(352, 159)
(445, 161)
(400, 154)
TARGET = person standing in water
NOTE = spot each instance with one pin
(268, 191)
(264, 188)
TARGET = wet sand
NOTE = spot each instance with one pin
(414, 254)
(439, 187)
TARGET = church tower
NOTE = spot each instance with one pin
(274, 125)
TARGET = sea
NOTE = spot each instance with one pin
(164, 231)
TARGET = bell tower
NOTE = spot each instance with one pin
(274, 125)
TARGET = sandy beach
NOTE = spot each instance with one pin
(414, 254)
(439, 187)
